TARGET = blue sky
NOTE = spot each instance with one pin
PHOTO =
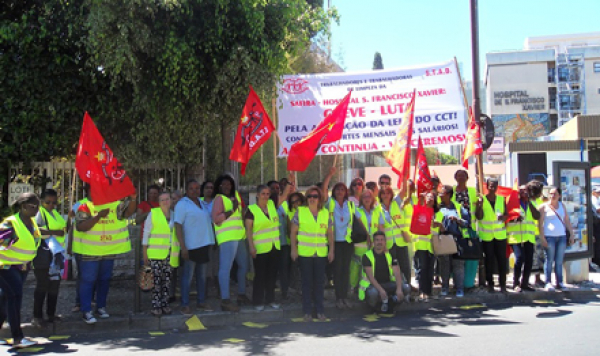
(429, 31)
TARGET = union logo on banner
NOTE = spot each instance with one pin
(295, 86)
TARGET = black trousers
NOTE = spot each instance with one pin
(401, 254)
(266, 266)
(596, 255)
(341, 269)
(424, 268)
(523, 263)
(44, 289)
(285, 268)
(495, 253)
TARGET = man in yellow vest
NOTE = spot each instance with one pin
(101, 234)
(521, 237)
(491, 214)
(381, 281)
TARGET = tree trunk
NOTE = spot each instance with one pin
(225, 147)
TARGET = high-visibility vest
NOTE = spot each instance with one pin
(537, 203)
(352, 211)
(109, 236)
(312, 235)
(24, 249)
(393, 230)
(472, 192)
(162, 241)
(265, 231)
(364, 282)
(490, 227)
(361, 248)
(55, 222)
(524, 231)
(231, 229)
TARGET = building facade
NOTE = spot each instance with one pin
(531, 92)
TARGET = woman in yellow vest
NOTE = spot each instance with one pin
(161, 252)
(231, 238)
(521, 237)
(313, 246)
(49, 254)
(491, 214)
(262, 231)
(19, 237)
(536, 197)
(396, 230)
(289, 272)
(372, 219)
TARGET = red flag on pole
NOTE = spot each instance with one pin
(98, 167)
(473, 144)
(399, 155)
(513, 204)
(422, 175)
(254, 129)
(328, 131)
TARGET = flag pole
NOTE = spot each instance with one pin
(479, 157)
(274, 113)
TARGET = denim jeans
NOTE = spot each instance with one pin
(523, 263)
(189, 267)
(312, 270)
(95, 275)
(228, 252)
(555, 254)
(11, 292)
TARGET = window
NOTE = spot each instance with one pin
(596, 67)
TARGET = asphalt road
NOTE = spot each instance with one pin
(500, 329)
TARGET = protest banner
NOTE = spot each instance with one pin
(376, 110)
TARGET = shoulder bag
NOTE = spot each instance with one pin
(359, 232)
(568, 233)
(468, 249)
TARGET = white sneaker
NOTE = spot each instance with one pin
(25, 342)
(561, 285)
(102, 313)
(88, 317)
(275, 306)
(259, 307)
(549, 287)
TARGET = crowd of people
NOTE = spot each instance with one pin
(209, 230)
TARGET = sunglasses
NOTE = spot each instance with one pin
(357, 184)
(384, 183)
(315, 196)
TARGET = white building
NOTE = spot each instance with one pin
(552, 79)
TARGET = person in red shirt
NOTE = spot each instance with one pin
(143, 208)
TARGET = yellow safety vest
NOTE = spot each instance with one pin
(393, 230)
(490, 227)
(364, 282)
(162, 241)
(265, 231)
(352, 211)
(524, 231)
(54, 222)
(423, 242)
(312, 235)
(361, 248)
(537, 203)
(25, 248)
(231, 229)
(472, 192)
(109, 236)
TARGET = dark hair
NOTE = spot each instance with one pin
(49, 193)
(284, 180)
(385, 176)
(154, 186)
(296, 194)
(384, 190)
(435, 180)
(436, 206)
(357, 179)
(378, 233)
(491, 180)
(448, 189)
(24, 198)
(461, 170)
(271, 182)
(557, 189)
(319, 192)
(337, 185)
(535, 188)
(319, 185)
(220, 180)
(371, 185)
(204, 186)
(261, 187)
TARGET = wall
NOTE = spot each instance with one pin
(592, 86)
(551, 157)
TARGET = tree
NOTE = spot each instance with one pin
(435, 157)
(377, 61)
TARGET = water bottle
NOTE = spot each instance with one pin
(384, 306)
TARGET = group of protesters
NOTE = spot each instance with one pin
(209, 229)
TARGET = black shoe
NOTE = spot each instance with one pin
(242, 299)
(490, 289)
(527, 289)
(172, 299)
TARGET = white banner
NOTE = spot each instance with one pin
(377, 107)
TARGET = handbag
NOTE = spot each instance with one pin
(421, 220)
(359, 232)
(468, 249)
(146, 279)
(443, 245)
(568, 233)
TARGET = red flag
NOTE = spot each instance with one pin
(254, 129)
(98, 167)
(422, 175)
(473, 144)
(328, 131)
(399, 155)
(513, 204)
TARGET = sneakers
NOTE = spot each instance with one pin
(227, 305)
(185, 310)
(460, 293)
(561, 286)
(88, 317)
(275, 306)
(528, 289)
(444, 292)
(102, 313)
(25, 342)
(259, 307)
(549, 287)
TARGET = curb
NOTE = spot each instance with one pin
(219, 319)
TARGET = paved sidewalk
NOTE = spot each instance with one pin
(121, 306)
